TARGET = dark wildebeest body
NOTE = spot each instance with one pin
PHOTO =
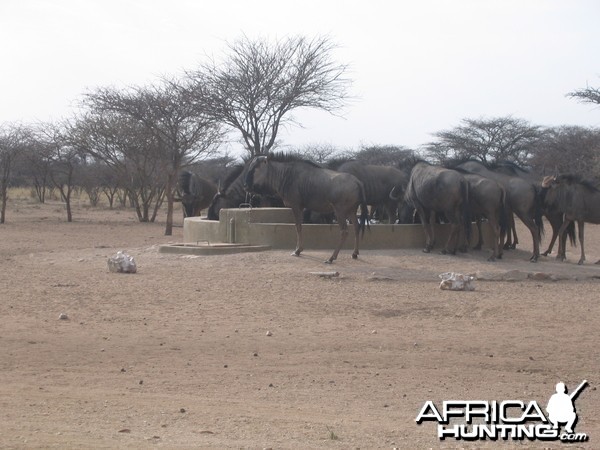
(554, 217)
(487, 199)
(434, 189)
(522, 199)
(578, 199)
(196, 193)
(304, 185)
(231, 194)
(378, 182)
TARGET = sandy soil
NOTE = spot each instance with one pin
(178, 354)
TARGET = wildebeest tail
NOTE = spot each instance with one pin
(466, 209)
(538, 211)
(364, 210)
(503, 214)
(571, 233)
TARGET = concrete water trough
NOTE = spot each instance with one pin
(257, 229)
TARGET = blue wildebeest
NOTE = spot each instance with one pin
(196, 193)
(433, 189)
(378, 181)
(487, 199)
(578, 199)
(231, 194)
(522, 199)
(554, 217)
(303, 185)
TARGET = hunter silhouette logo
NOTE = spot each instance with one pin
(560, 406)
(508, 419)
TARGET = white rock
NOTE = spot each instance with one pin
(456, 282)
(121, 262)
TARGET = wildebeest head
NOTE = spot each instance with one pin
(189, 203)
(255, 180)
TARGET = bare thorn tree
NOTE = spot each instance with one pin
(586, 95)
(255, 89)
(182, 131)
(13, 141)
(488, 140)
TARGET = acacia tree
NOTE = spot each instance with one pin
(488, 140)
(182, 131)
(259, 84)
(568, 149)
(64, 158)
(586, 95)
(131, 152)
(13, 140)
(36, 163)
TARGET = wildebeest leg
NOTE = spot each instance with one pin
(426, 217)
(298, 219)
(497, 245)
(527, 219)
(580, 224)
(343, 235)
(562, 243)
(511, 229)
(555, 222)
(356, 224)
(452, 242)
(479, 236)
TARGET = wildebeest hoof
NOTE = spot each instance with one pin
(296, 253)
(328, 261)
(354, 255)
(492, 258)
(533, 259)
(426, 250)
(580, 263)
(546, 253)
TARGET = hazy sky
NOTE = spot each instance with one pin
(417, 66)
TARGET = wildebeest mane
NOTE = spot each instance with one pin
(185, 178)
(511, 165)
(571, 178)
(451, 163)
(231, 176)
(335, 163)
(289, 158)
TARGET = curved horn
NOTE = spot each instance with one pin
(393, 197)
(547, 181)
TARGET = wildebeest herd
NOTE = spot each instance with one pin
(458, 193)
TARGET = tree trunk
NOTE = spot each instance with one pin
(169, 191)
(4, 190)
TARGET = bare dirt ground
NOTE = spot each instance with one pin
(177, 355)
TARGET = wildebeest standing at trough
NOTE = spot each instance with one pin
(231, 194)
(554, 217)
(303, 184)
(578, 199)
(378, 182)
(522, 199)
(487, 199)
(196, 193)
(434, 189)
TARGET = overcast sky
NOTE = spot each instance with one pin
(417, 66)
